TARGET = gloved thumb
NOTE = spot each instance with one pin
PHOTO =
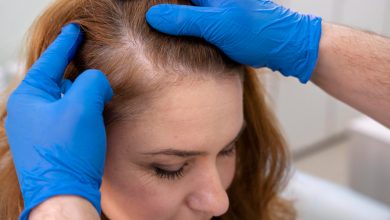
(91, 88)
(183, 20)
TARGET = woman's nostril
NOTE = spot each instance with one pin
(221, 205)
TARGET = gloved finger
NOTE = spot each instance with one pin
(65, 86)
(209, 3)
(55, 59)
(91, 88)
(182, 19)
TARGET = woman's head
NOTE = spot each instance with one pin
(176, 159)
(189, 134)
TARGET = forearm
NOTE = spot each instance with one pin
(65, 207)
(354, 67)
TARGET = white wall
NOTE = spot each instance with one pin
(15, 18)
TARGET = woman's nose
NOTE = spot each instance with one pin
(209, 196)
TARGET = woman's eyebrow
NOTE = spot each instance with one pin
(184, 153)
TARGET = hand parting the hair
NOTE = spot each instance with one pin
(58, 143)
(258, 33)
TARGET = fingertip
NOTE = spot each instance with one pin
(181, 20)
(151, 16)
(164, 18)
(56, 57)
(160, 9)
(72, 32)
(102, 83)
(71, 28)
(155, 15)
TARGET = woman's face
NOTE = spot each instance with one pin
(175, 160)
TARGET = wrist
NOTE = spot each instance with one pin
(64, 207)
(37, 195)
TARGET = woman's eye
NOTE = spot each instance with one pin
(229, 152)
(168, 174)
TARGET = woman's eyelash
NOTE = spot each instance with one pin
(228, 152)
(173, 175)
(170, 175)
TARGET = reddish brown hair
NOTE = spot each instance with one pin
(138, 60)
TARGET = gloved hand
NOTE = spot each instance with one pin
(258, 33)
(58, 143)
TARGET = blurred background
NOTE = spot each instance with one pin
(332, 145)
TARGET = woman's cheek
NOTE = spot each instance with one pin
(226, 168)
(139, 195)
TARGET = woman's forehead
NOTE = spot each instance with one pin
(190, 116)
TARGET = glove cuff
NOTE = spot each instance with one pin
(303, 47)
(313, 49)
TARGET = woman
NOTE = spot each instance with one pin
(189, 134)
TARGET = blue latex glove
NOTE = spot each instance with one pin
(58, 143)
(258, 33)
